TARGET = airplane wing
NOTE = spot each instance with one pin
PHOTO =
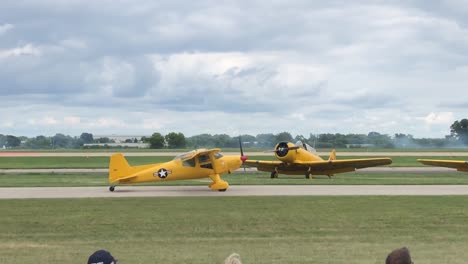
(460, 165)
(326, 167)
(264, 165)
(194, 153)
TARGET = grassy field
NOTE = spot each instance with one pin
(56, 180)
(260, 229)
(103, 162)
(245, 149)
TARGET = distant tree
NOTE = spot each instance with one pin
(175, 140)
(103, 140)
(459, 129)
(129, 140)
(157, 141)
(379, 140)
(135, 140)
(221, 141)
(63, 141)
(3, 140)
(86, 138)
(266, 140)
(200, 141)
(12, 141)
(283, 137)
(248, 141)
(39, 142)
(403, 141)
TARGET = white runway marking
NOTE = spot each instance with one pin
(241, 190)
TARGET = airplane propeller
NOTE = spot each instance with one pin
(243, 157)
(282, 149)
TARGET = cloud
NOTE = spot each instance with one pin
(26, 50)
(379, 65)
(5, 28)
(442, 118)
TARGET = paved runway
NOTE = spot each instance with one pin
(426, 169)
(236, 190)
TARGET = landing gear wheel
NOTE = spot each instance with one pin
(274, 174)
(307, 175)
(222, 190)
(111, 188)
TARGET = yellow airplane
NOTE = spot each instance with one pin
(301, 159)
(460, 165)
(196, 164)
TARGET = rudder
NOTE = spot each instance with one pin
(118, 167)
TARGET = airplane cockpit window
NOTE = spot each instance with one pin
(184, 155)
(189, 162)
(218, 155)
(306, 147)
(205, 162)
(203, 158)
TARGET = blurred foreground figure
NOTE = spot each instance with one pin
(101, 257)
(399, 256)
(233, 259)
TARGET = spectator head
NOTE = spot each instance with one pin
(101, 257)
(233, 259)
(399, 256)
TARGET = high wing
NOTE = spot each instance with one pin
(197, 152)
(460, 165)
(325, 167)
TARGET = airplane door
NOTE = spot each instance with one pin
(205, 162)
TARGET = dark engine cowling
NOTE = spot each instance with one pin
(282, 149)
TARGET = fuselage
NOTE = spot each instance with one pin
(185, 167)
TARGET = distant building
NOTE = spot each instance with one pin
(360, 145)
(117, 145)
(120, 138)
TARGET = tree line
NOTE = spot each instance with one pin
(175, 140)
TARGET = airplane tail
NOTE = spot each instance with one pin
(332, 155)
(118, 167)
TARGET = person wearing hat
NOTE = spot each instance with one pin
(101, 257)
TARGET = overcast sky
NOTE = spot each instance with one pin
(136, 67)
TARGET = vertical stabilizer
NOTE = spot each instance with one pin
(118, 167)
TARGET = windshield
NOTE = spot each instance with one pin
(184, 155)
(305, 146)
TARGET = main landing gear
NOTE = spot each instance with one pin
(274, 174)
(111, 188)
(307, 174)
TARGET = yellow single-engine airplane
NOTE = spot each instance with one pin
(301, 159)
(460, 165)
(201, 163)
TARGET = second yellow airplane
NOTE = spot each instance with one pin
(300, 159)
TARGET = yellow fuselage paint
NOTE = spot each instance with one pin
(178, 170)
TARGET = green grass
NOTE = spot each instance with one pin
(56, 180)
(261, 229)
(103, 162)
(245, 149)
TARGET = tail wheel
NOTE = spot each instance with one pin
(222, 190)
(111, 188)
(307, 175)
(274, 174)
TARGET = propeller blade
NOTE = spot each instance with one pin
(243, 157)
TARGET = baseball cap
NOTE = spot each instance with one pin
(101, 257)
